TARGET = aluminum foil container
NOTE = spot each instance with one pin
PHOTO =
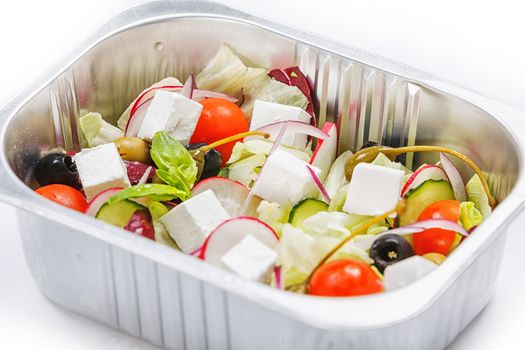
(176, 301)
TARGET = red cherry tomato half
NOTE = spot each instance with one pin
(65, 195)
(344, 277)
(219, 119)
(436, 240)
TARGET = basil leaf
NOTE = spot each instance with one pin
(155, 192)
(176, 166)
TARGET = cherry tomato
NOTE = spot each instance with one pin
(436, 240)
(344, 277)
(219, 119)
(65, 195)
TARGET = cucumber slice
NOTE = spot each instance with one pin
(421, 197)
(304, 209)
(118, 214)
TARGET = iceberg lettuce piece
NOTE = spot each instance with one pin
(476, 194)
(332, 224)
(336, 176)
(97, 131)
(273, 214)
(157, 209)
(338, 201)
(276, 92)
(469, 216)
(246, 170)
(299, 253)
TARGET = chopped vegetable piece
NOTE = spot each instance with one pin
(436, 240)
(345, 277)
(305, 209)
(421, 197)
(64, 195)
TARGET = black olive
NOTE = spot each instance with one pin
(57, 168)
(389, 249)
(212, 160)
(369, 144)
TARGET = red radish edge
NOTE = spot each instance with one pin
(217, 178)
(326, 128)
(100, 199)
(420, 174)
(208, 184)
(318, 183)
(455, 178)
(136, 105)
(204, 246)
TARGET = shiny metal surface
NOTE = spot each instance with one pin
(176, 301)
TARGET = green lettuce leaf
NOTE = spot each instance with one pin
(476, 194)
(97, 131)
(155, 192)
(469, 216)
(338, 201)
(176, 167)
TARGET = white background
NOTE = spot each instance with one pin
(477, 45)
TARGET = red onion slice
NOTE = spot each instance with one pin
(202, 94)
(295, 127)
(189, 86)
(442, 224)
(145, 176)
(416, 227)
(279, 283)
(100, 199)
(196, 252)
(455, 178)
(318, 183)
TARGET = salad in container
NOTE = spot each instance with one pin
(232, 168)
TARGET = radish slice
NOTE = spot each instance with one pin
(279, 283)
(100, 199)
(295, 127)
(325, 152)
(231, 232)
(422, 174)
(319, 184)
(202, 94)
(455, 178)
(132, 127)
(231, 194)
(189, 86)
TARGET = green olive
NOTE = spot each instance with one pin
(133, 149)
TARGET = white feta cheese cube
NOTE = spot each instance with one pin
(192, 221)
(373, 190)
(265, 113)
(101, 168)
(406, 271)
(285, 179)
(251, 259)
(171, 112)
